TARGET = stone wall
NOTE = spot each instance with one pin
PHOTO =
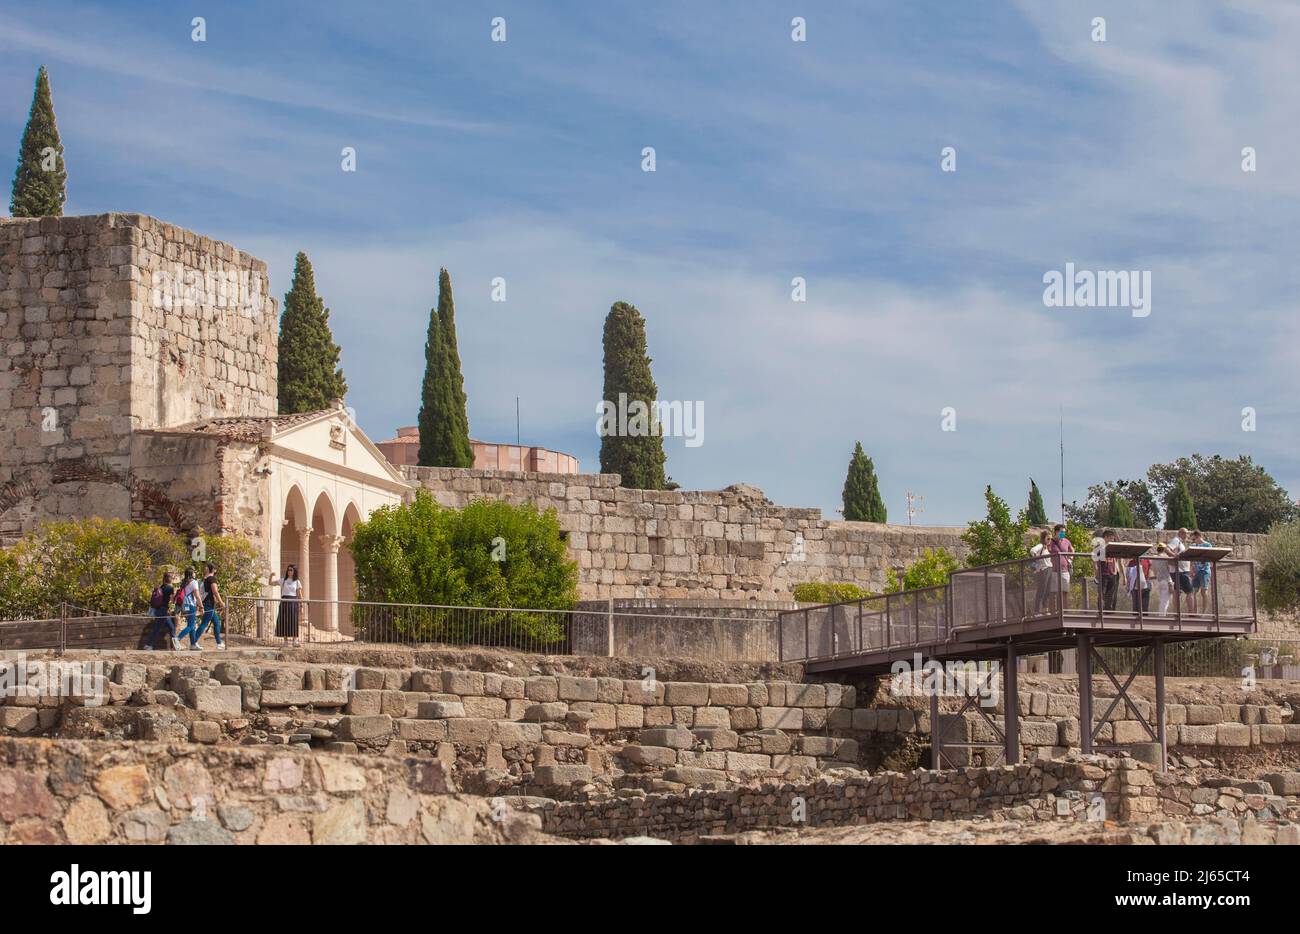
(731, 544)
(549, 732)
(117, 792)
(1076, 790)
(715, 630)
(726, 545)
(109, 324)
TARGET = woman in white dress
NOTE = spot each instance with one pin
(286, 622)
(1161, 586)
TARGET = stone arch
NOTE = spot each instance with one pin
(347, 566)
(295, 508)
(322, 571)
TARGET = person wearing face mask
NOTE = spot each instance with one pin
(1060, 550)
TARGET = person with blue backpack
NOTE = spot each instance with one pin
(187, 602)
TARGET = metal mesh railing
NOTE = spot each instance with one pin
(884, 621)
(720, 636)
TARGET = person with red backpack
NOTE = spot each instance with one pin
(160, 609)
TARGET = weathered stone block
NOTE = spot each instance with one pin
(226, 700)
(728, 695)
(440, 710)
(308, 698)
(423, 731)
(672, 737)
(471, 730)
(463, 682)
(364, 728)
(542, 688)
(576, 689)
(780, 718)
(747, 762)
(553, 712)
(510, 734)
(1233, 735)
(686, 694)
(655, 756)
(553, 776)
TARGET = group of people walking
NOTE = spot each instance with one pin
(1161, 573)
(169, 602)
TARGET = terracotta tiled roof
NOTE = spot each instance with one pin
(246, 427)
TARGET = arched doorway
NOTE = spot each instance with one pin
(323, 575)
(347, 568)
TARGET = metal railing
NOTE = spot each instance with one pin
(883, 621)
(553, 632)
(1017, 592)
(1034, 588)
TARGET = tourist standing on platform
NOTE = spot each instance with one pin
(1107, 572)
(1061, 549)
(1139, 583)
(1182, 576)
(1160, 581)
(1201, 575)
(1042, 570)
(286, 621)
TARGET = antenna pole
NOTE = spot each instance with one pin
(1062, 464)
(516, 421)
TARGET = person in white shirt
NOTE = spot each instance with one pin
(1182, 578)
(286, 622)
(1042, 571)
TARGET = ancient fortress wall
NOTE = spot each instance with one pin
(109, 324)
(726, 545)
(693, 544)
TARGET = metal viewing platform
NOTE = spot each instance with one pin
(1001, 612)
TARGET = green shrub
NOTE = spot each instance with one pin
(489, 554)
(111, 566)
(929, 570)
(828, 592)
(997, 538)
(1279, 568)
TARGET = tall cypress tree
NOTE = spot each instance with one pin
(1118, 512)
(1036, 514)
(444, 421)
(310, 379)
(862, 502)
(631, 442)
(1179, 510)
(40, 183)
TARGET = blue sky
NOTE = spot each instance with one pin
(775, 159)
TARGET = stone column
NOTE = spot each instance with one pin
(304, 569)
(331, 545)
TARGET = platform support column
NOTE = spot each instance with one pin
(1011, 706)
(1158, 662)
(936, 742)
(1084, 663)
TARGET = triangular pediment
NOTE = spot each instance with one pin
(334, 438)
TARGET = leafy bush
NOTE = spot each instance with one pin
(1279, 568)
(828, 592)
(489, 554)
(111, 566)
(998, 537)
(929, 570)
